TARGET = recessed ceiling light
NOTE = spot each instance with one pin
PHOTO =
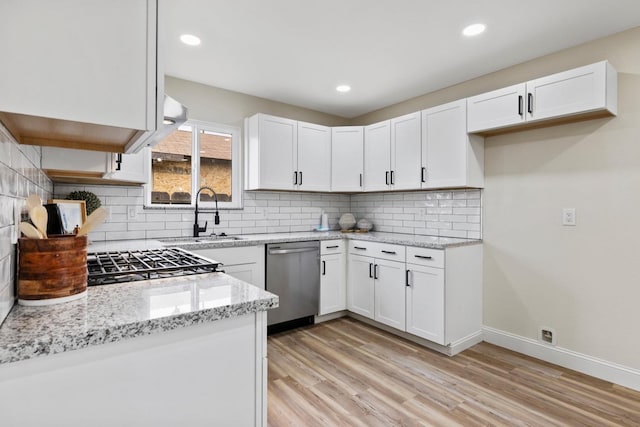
(474, 30)
(343, 88)
(190, 39)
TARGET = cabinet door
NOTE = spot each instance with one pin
(377, 152)
(347, 157)
(445, 145)
(390, 293)
(333, 290)
(277, 144)
(249, 273)
(91, 62)
(425, 303)
(496, 109)
(129, 167)
(360, 291)
(314, 157)
(406, 152)
(570, 92)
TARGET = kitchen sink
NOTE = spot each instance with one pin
(201, 239)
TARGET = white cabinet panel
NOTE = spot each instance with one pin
(580, 91)
(347, 157)
(377, 163)
(451, 157)
(271, 153)
(314, 157)
(425, 302)
(333, 288)
(406, 152)
(360, 295)
(390, 293)
(245, 263)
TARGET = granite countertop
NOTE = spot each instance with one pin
(115, 312)
(206, 242)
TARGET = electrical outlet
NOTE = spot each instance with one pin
(569, 216)
(547, 335)
(423, 213)
(132, 213)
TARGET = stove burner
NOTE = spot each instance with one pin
(128, 266)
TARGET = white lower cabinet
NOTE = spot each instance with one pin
(360, 286)
(389, 293)
(246, 263)
(425, 302)
(333, 283)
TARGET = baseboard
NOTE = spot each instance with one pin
(608, 371)
(331, 316)
(466, 342)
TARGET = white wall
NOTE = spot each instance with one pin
(582, 280)
(20, 175)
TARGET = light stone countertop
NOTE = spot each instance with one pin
(111, 313)
(433, 242)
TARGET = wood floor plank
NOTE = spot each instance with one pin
(347, 373)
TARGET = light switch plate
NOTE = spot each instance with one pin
(569, 216)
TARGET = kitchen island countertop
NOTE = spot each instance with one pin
(115, 312)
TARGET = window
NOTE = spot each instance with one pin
(198, 154)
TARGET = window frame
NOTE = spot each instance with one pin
(236, 168)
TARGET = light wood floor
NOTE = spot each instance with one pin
(344, 372)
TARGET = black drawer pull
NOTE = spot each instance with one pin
(360, 180)
(375, 271)
(530, 103)
(520, 105)
(370, 273)
(360, 248)
(324, 268)
(423, 257)
(386, 177)
(424, 170)
(333, 247)
(407, 278)
(389, 252)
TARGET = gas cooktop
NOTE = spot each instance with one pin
(128, 266)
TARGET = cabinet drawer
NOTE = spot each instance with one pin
(377, 250)
(425, 256)
(234, 256)
(331, 247)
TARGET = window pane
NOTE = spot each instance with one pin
(171, 168)
(215, 164)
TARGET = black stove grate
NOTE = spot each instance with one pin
(128, 266)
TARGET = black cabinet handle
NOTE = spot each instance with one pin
(118, 161)
(386, 177)
(389, 252)
(295, 178)
(360, 248)
(360, 180)
(393, 180)
(370, 273)
(407, 277)
(422, 173)
(375, 271)
(300, 183)
(423, 257)
(324, 268)
(520, 100)
(333, 247)
(530, 103)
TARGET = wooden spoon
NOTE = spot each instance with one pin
(32, 201)
(39, 218)
(29, 230)
(96, 218)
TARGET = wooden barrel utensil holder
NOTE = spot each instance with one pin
(52, 270)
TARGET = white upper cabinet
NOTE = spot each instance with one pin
(314, 157)
(406, 152)
(347, 151)
(272, 153)
(283, 154)
(377, 162)
(79, 74)
(582, 92)
(450, 156)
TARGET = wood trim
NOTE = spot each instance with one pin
(78, 145)
(608, 371)
(59, 173)
(10, 126)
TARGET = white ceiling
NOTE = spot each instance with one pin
(298, 51)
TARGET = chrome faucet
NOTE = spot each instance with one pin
(216, 219)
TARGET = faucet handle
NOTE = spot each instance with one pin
(203, 229)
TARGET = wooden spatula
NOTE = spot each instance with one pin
(32, 201)
(39, 218)
(96, 218)
(29, 230)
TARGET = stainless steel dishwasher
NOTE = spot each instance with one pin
(293, 273)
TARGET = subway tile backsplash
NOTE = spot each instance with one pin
(451, 213)
(20, 175)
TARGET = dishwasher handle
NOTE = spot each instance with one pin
(291, 251)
